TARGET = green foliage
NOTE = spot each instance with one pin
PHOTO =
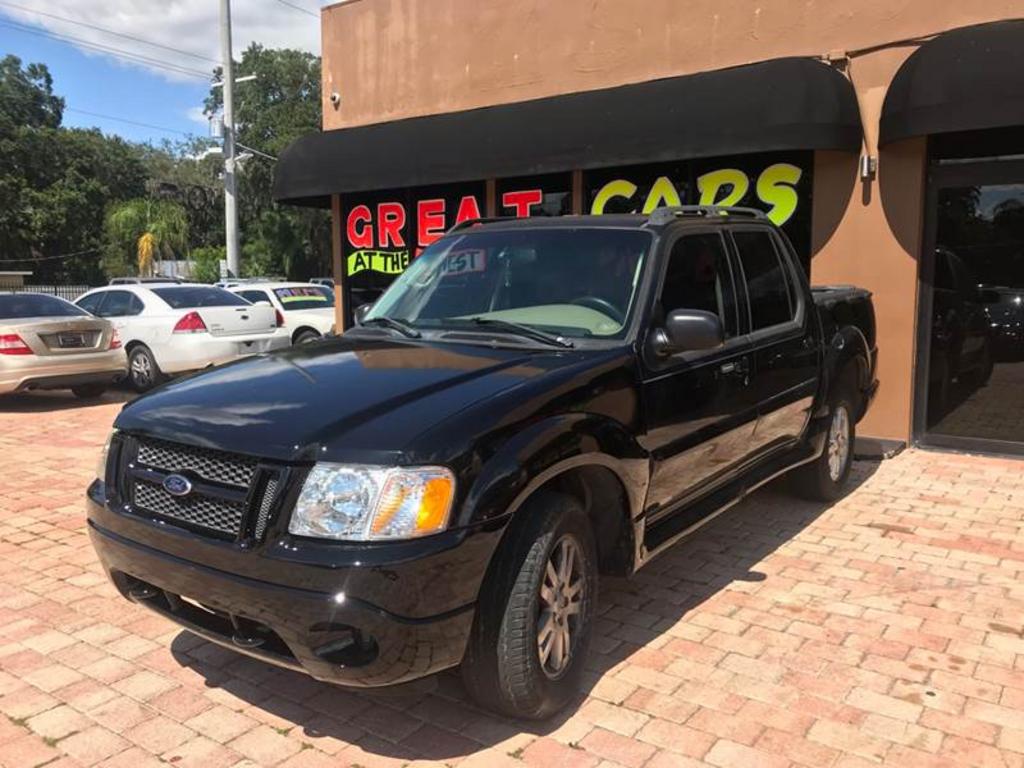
(206, 263)
(144, 229)
(279, 106)
(71, 200)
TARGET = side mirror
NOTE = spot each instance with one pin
(688, 330)
(362, 311)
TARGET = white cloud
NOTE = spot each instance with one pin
(190, 26)
(196, 115)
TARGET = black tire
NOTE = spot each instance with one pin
(304, 337)
(89, 391)
(143, 372)
(503, 668)
(824, 479)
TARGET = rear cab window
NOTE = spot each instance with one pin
(198, 297)
(771, 294)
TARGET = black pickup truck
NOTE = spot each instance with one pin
(531, 403)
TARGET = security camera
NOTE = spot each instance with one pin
(335, 99)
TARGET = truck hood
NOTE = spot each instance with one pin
(340, 399)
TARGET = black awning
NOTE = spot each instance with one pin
(966, 79)
(783, 104)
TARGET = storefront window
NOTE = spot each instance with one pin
(547, 195)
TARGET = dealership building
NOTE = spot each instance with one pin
(885, 138)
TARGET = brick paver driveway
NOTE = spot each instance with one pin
(886, 628)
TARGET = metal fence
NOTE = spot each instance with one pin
(69, 292)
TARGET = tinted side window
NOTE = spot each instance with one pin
(91, 303)
(254, 296)
(767, 284)
(121, 304)
(698, 277)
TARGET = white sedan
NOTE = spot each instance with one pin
(168, 329)
(305, 312)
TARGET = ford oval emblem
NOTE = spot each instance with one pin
(176, 485)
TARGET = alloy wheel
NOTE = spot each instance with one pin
(838, 442)
(142, 370)
(562, 592)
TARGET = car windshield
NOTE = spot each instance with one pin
(304, 297)
(573, 282)
(21, 306)
(191, 298)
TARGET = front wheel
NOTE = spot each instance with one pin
(535, 613)
(824, 479)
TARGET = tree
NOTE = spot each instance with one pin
(55, 183)
(279, 106)
(146, 228)
(206, 263)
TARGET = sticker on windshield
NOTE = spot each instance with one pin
(463, 262)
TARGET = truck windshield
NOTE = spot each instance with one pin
(573, 282)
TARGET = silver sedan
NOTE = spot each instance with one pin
(49, 343)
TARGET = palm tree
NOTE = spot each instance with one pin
(147, 229)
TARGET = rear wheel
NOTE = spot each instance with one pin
(533, 623)
(143, 371)
(824, 479)
(88, 391)
(304, 337)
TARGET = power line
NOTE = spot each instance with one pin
(126, 120)
(299, 8)
(109, 31)
(118, 52)
(50, 258)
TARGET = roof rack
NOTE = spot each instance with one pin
(483, 220)
(662, 216)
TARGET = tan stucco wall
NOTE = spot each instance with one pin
(392, 59)
(398, 58)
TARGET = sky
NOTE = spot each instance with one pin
(161, 90)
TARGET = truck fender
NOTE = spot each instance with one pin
(848, 345)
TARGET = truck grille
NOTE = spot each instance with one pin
(232, 496)
(215, 466)
(214, 514)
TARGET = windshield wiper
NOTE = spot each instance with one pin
(525, 331)
(397, 325)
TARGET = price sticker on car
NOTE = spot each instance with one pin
(463, 262)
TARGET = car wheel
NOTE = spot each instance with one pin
(89, 391)
(824, 479)
(535, 613)
(305, 337)
(143, 371)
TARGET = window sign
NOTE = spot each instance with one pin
(777, 183)
(547, 195)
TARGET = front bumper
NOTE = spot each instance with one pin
(339, 637)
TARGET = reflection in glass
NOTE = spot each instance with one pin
(976, 351)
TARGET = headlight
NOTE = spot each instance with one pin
(362, 502)
(101, 465)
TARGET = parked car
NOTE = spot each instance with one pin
(145, 280)
(49, 343)
(305, 312)
(531, 402)
(170, 329)
(961, 340)
(1004, 307)
(327, 282)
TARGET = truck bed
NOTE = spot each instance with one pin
(843, 305)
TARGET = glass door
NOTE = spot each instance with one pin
(970, 382)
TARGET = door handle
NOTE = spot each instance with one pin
(735, 368)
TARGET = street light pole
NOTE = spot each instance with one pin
(230, 204)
